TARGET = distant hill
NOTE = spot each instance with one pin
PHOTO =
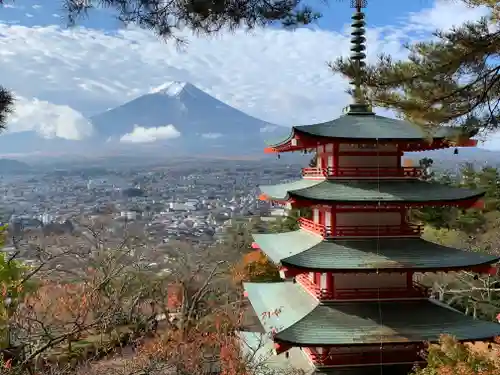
(11, 165)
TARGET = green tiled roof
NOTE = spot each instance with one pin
(371, 126)
(362, 191)
(302, 320)
(306, 250)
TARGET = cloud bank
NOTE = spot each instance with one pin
(275, 75)
(148, 135)
(49, 120)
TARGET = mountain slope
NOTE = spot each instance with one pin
(201, 120)
(11, 165)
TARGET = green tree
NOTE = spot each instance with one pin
(426, 165)
(454, 79)
(6, 106)
(437, 217)
(489, 180)
(472, 220)
(291, 221)
(14, 284)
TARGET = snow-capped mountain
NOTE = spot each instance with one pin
(175, 117)
(184, 116)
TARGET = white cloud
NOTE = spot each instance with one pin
(49, 120)
(148, 135)
(211, 135)
(276, 75)
(268, 128)
(444, 15)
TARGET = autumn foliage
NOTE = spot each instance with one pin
(205, 346)
(255, 266)
(450, 357)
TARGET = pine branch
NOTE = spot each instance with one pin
(204, 17)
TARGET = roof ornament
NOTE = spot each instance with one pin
(359, 107)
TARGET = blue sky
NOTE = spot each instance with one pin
(335, 15)
(62, 76)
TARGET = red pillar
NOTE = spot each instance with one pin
(400, 155)
(402, 212)
(336, 157)
(409, 280)
(317, 279)
(329, 284)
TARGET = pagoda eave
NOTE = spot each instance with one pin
(486, 268)
(300, 141)
(301, 251)
(370, 192)
(293, 316)
(299, 202)
(384, 341)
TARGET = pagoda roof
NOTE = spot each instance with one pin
(369, 126)
(364, 191)
(302, 249)
(302, 320)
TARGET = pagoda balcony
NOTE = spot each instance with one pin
(406, 229)
(362, 172)
(389, 356)
(417, 291)
(345, 294)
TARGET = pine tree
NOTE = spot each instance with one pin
(201, 16)
(453, 80)
(6, 106)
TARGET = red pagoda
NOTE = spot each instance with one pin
(349, 301)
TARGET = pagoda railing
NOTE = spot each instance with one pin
(415, 291)
(406, 229)
(363, 172)
(377, 230)
(312, 288)
(409, 355)
(312, 226)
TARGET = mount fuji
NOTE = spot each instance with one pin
(185, 118)
(175, 118)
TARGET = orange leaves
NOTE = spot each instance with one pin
(408, 163)
(255, 266)
(174, 297)
(450, 357)
(198, 349)
(254, 256)
(62, 305)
